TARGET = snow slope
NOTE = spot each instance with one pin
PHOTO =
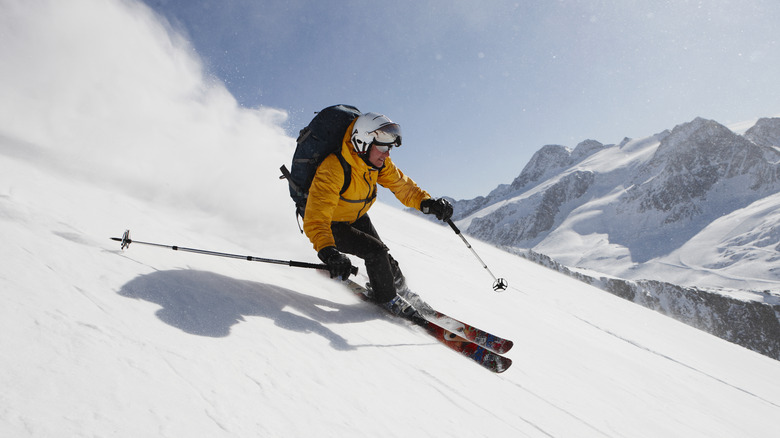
(739, 247)
(151, 342)
(102, 134)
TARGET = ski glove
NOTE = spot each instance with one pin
(338, 263)
(439, 207)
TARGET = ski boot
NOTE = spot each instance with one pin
(400, 307)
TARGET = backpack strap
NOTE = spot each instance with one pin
(286, 175)
(347, 172)
(300, 209)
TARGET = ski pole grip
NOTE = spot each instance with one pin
(321, 266)
(453, 226)
(295, 264)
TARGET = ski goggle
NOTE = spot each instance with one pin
(387, 137)
(383, 148)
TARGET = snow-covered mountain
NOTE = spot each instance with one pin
(695, 209)
(633, 209)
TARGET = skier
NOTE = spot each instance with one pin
(337, 223)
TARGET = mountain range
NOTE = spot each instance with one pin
(700, 201)
(678, 221)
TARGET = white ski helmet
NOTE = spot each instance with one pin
(373, 128)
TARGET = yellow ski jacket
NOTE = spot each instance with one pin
(325, 205)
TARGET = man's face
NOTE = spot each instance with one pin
(377, 158)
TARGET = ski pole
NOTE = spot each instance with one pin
(499, 284)
(126, 241)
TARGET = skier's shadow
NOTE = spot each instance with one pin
(207, 304)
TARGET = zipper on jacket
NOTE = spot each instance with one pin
(369, 198)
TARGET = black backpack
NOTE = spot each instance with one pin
(322, 137)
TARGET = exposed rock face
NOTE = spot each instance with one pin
(516, 223)
(692, 160)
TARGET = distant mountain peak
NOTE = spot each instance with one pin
(585, 149)
(766, 132)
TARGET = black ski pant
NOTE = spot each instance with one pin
(361, 239)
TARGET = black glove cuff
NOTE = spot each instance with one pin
(439, 207)
(425, 205)
(325, 253)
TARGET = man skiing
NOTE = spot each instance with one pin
(337, 222)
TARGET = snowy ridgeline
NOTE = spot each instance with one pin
(750, 320)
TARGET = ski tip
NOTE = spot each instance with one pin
(502, 365)
(507, 346)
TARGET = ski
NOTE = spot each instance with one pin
(478, 336)
(484, 357)
(479, 354)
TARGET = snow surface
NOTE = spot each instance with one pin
(150, 342)
(744, 245)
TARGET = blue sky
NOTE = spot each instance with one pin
(478, 87)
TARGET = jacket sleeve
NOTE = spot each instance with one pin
(322, 201)
(404, 188)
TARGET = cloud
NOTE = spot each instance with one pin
(107, 91)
